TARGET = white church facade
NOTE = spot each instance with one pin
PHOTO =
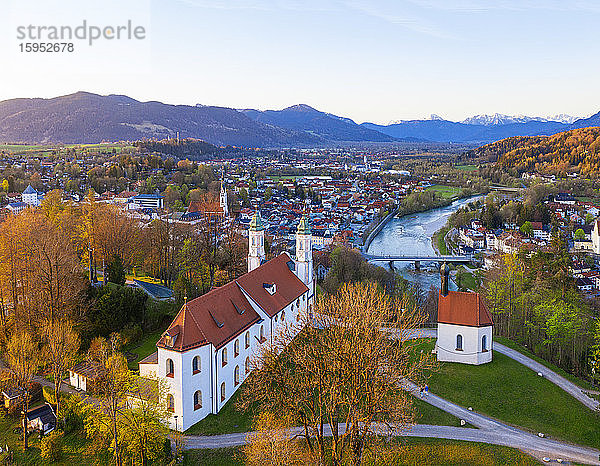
(206, 352)
(464, 329)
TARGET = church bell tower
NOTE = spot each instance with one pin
(304, 259)
(256, 242)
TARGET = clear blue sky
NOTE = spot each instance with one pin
(371, 60)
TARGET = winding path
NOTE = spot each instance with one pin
(558, 380)
(488, 430)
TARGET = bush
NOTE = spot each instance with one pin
(132, 333)
(35, 391)
(48, 393)
(70, 411)
(52, 446)
(116, 306)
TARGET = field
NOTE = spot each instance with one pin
(45, 149)
(466, 167)
(510, 392)
(405, 451)
(445, 192)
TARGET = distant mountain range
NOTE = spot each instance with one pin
(500, 119)
(325, 125)
(84, 117)
(87, 118)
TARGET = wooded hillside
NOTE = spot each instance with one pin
(577, 151)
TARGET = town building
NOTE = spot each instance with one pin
(146, 201)
(206, 352)
(31, 197)
(464, 331)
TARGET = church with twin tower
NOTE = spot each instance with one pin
(206, 352)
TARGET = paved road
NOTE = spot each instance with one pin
(552, 376)
(488, 430)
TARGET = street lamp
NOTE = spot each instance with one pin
(176, 437)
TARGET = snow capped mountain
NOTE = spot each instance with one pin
(500, 119)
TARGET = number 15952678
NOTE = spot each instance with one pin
(46, 47)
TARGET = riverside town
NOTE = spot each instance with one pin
(246, 244)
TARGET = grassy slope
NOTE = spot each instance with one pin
(521, 349)
(230, 419)
(509, 391)
(144, 348)
(439, 239)
(468, 280)
(406, 451)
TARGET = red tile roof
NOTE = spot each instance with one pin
(463, 308)
(223, 313)
(289, 286)
(215, 318)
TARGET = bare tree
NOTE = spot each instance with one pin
(272, 443)
(61, 346)
(113, 386)
(22, 357)
(343, 370)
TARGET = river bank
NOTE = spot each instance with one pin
(412, 234)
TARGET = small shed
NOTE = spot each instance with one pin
(84, 375)
(12, 397)
(41, 418)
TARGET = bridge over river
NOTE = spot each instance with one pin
(417, 259)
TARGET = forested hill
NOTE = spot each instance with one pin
(577, 151)
(185, 148)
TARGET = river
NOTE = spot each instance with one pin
(411, 234)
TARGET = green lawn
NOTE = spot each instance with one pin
(439, 241)
(510, 392)
(76, 449)
(229, 420)
(427, 451)
(445, 192)
(521, 349)
(144, 348)
(217, 457)
(146, 279)
(407, 451)
(428, 414)
(467, 279)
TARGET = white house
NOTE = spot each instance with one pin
(205, 354)
(31, 197)
(596, 236)
(16, 207)
(464, 326)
